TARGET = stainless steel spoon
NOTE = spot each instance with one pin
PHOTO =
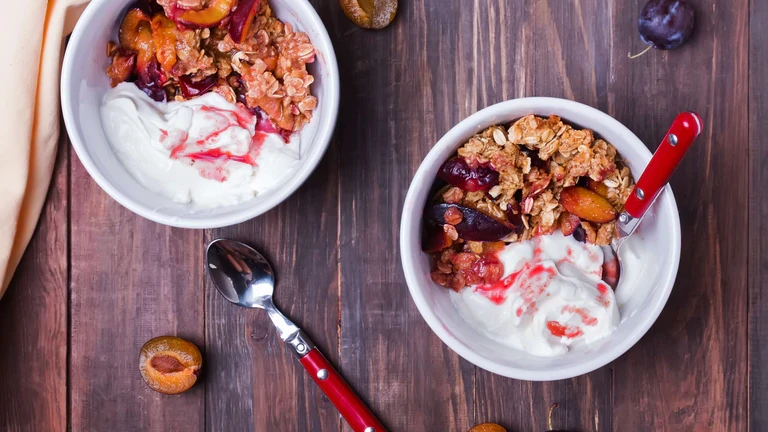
(244, 277)
(686, 127)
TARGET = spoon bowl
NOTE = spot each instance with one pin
(241, 274)
(244, 277)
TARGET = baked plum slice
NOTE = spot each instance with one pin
(515, 218)
(164, 39)
(474, 226)
(135, 34)
(587, 205)
(123, 66)
(216, 12)
(190, 88)
(457, 172)
(434, 239)
(149, 7)
(242, 18)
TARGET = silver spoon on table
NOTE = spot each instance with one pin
(686, 127)
(244, 277)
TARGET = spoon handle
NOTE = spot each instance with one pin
(354, 411)
(686, 127)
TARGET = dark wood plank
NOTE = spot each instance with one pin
(558, 49)
(758, 214)
(33, 316)
(131, 280)
(401, 92)
(253, 382)
(689, 372)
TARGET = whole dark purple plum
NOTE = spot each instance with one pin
(666, 24)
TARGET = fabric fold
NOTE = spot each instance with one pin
(30, 121)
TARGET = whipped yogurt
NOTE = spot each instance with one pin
(205, 151)
(550, 299)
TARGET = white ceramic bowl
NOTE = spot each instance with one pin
(84, 83)
(640, 299)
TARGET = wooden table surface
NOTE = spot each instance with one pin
(98, 281)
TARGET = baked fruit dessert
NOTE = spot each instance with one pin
(175, 50)
(515, 182)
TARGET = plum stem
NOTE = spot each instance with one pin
(549, 419)
(640, 53)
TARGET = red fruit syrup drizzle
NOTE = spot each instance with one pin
(559, 330)
(586, 318)
(604, 299)
(537, 278)
(210, 162)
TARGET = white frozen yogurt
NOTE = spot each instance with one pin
(205, 152)
(550, 298)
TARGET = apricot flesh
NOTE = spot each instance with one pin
(169, 364)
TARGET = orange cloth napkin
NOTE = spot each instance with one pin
(29, 117)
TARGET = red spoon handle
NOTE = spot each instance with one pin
(686, 127)
(343, 397)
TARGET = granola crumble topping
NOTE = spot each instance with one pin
(536, 158)
(173, 60)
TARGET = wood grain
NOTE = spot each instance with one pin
(253, 380)
(555, 52)
(407, 375)
(689, 372)
(132, 280)
(758, 215)
(334, 245)
(33, 319)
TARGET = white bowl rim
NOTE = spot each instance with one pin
(322, 138)
(452, 138)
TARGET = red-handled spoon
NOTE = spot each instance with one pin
(244, 277)
(686, 127)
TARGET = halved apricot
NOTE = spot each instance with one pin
(169, 364)
(211, 16)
